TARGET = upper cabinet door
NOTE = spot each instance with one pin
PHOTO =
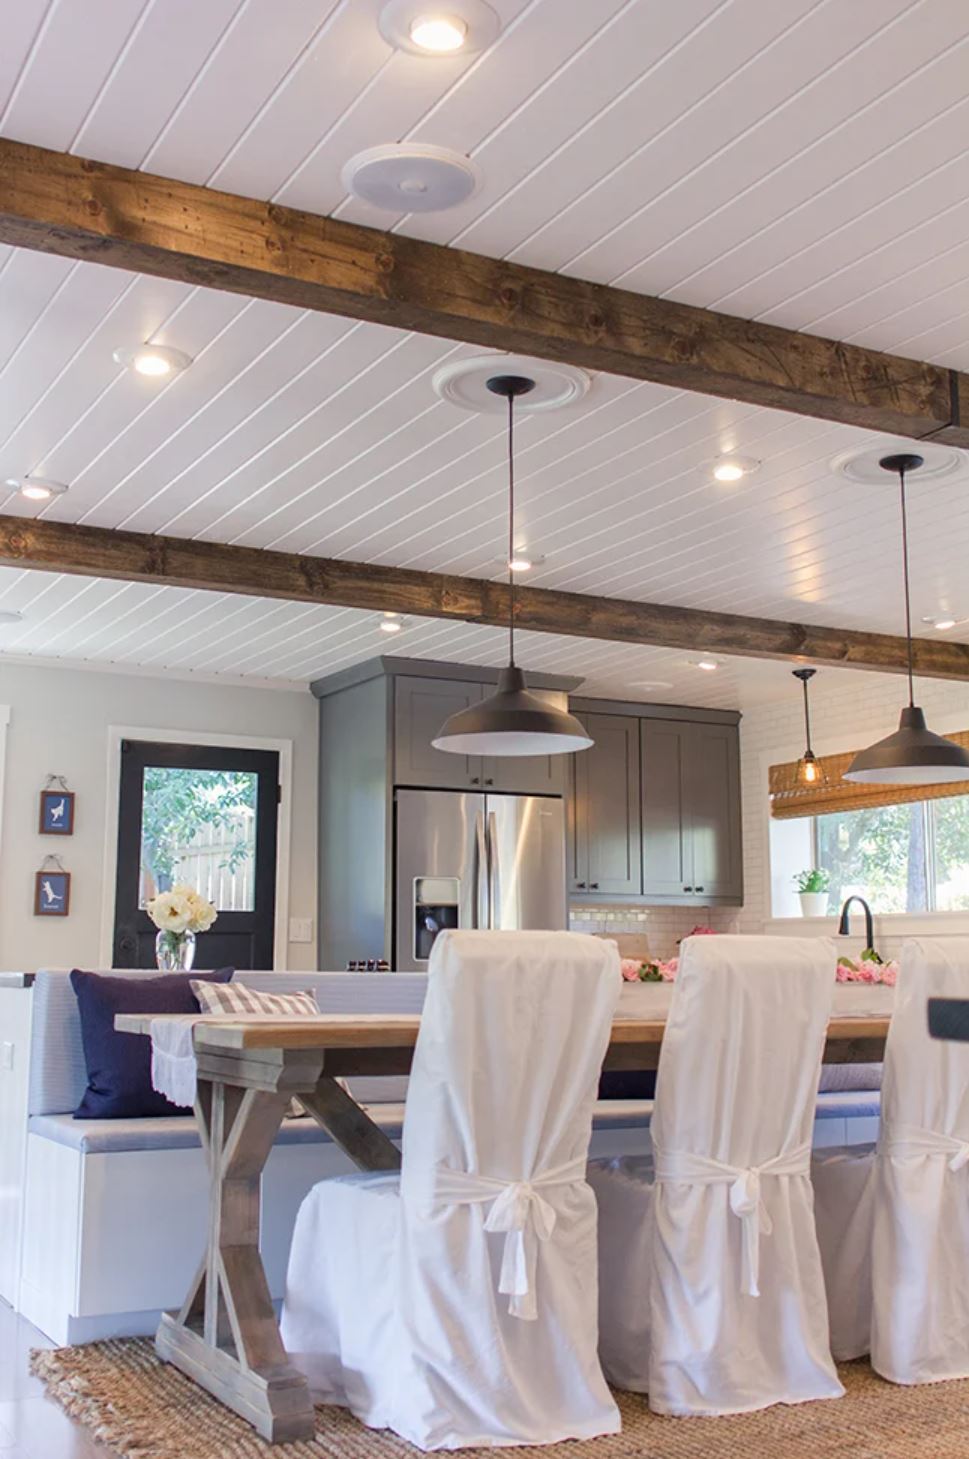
(606, 842)
(527, 774)
(420, 708)
(667, 845)
(713, 803)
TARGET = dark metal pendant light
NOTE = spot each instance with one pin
(512, 721)
(810, 773)
(913, 755)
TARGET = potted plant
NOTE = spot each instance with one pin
(812, 887)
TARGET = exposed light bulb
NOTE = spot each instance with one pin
(439, 33)
(808, 772)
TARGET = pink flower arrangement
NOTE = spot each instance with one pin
(635, 970)
(866, 971)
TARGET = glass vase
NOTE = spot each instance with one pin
(174, 951)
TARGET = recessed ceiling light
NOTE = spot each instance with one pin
(7, 615)
(36, 488)
(942, 623)
(457, 26)
(651, 684)
(732, 467)
(391, 623)
(156, 361)
(945, 623)
(707, 665)
(438, 33)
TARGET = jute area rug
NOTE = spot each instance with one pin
(145, 1409)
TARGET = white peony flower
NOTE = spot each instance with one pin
(202, 912)
(170, 911)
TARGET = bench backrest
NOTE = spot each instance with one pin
(57, 1071)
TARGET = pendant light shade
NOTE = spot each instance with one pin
(913, 755)
(512, 721)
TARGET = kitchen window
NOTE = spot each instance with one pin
(905, 849)
(900, 858)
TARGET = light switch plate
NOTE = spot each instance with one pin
(301, 929)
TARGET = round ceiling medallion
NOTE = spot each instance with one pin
(465, 383)
(404, 24)
(407, 178)
(865, 468)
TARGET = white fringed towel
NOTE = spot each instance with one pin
(174, 1068)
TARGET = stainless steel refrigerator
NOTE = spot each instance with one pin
(475, 861)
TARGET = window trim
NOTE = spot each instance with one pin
(284, 748)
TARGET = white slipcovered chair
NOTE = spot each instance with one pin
(711, 1292)
(456, 1303)
(895, 1240)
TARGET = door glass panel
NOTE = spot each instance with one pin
(198, 827)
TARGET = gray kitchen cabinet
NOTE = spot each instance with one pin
(714, 811)
(420, 708)
(605, 843)
(667, 846)
(691, 811)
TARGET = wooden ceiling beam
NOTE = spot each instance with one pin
(50, 546)
(66, 205)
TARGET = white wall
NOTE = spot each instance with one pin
(842, 719)
(59, 721)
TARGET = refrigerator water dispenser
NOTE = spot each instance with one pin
(436, 907)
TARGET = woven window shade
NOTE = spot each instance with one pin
(789, 800)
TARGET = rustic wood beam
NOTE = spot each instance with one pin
(153, 225)
(257, 572)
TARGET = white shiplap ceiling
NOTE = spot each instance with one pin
(798, 161)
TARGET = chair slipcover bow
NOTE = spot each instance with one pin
(746, 1201)
(911, 1140)
(518, 1210)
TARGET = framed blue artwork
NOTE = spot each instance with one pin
(56, 813)
(52, 893)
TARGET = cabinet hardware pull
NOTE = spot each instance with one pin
(489, 782)
(581, 885)
(688, 889)
(475, 780)
(594, 886)
(698, 889)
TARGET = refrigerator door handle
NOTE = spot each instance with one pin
(495, 868)
(482, 878)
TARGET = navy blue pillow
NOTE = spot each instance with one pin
(119, 1064)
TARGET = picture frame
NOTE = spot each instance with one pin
(56, 813)
(52, 893)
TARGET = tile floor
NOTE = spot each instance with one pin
(32, 1426)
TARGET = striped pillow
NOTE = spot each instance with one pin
(237, 998)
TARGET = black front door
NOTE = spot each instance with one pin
(206, 817)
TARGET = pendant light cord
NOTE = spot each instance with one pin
(807, 717)
(908, 599)
(511, 530)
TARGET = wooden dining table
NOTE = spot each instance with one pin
(225, 1335)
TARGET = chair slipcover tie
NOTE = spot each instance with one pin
(520, 1211)
(746, 1200)
(912, 1140)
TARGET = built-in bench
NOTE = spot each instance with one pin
(113, 1212)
